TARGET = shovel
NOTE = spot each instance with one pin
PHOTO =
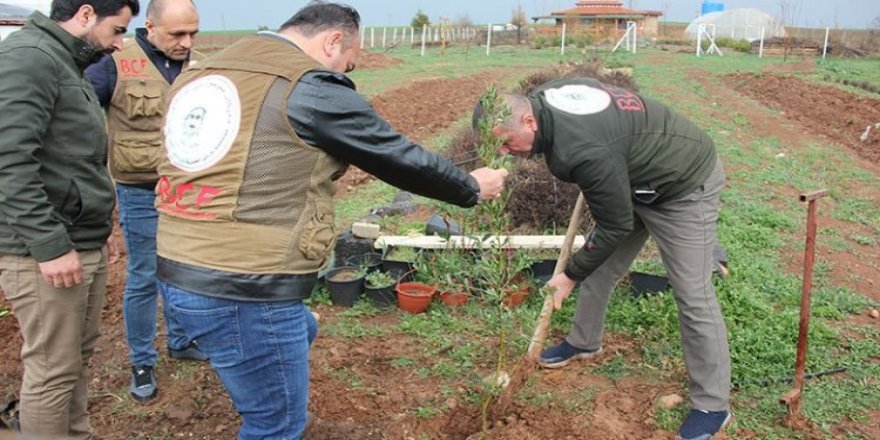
(527, 364)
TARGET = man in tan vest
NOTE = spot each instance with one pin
(132, 86)
(254, 138)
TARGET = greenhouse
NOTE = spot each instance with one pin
(739, 24)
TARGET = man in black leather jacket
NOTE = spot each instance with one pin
(254, 137)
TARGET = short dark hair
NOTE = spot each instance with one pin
(63, 10)
(319, 15)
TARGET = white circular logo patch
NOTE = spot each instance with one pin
(202, 123)
(578, 99)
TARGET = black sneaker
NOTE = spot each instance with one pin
(702, 425)
(563, 353)
(9, 416)
(189, 353)
(143, 383)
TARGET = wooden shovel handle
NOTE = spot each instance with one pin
(547, 311)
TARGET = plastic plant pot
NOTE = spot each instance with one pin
(454, 299)
(643, 284)
(542, 270)
(370, 260)
(345, 285)
(379, 289)
(515, 296)
(414, 297)
(401, 269)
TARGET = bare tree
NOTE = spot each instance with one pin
(518, 20)
(665, 8)
(788, 15)
(872, 43)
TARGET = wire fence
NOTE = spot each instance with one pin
(840, 42)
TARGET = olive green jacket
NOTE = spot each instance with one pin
(621, 149)
(55, 191)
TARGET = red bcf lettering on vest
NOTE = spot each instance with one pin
(186, 199)
(133, 66)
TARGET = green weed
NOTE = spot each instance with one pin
(351, 329)
(615, 368)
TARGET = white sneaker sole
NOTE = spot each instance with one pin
(578, 356)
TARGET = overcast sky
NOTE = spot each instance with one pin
(241, 14)
(238, 14)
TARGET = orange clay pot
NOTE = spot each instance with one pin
(414, 297)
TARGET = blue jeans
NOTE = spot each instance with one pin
(260, 351)
(138, 218)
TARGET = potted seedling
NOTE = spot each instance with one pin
(516, 291)
(448, 270)
(371, 261)
(398, 261)
(345, 285)
(379, 288)
(454, 291)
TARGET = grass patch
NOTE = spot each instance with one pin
(615, 368)
(351, 328)
(350, 379)
(454, 62)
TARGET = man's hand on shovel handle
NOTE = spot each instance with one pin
(562, 287)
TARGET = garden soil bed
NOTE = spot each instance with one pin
(422, 110)
(825, 111)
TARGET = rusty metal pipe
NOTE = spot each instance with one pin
(793, 397)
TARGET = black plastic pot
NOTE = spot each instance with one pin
(542, 270)
(382, 297)
(643, 284)
(399, 270)
(345, 285)
(371, 260)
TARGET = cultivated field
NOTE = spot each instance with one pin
(782, 128)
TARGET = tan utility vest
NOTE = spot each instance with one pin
(239, 191)
(136, 114)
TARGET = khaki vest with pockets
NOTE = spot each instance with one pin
(256, 200)
(136, 114)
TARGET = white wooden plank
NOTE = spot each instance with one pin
(458, 241)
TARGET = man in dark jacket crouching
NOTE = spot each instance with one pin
(645, 170)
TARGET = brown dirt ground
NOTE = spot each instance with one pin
(422, 110)
(376, 61)
(825, 111)
(356, 392)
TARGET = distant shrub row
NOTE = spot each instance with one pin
(579, 41)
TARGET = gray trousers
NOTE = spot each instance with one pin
(684, 231)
